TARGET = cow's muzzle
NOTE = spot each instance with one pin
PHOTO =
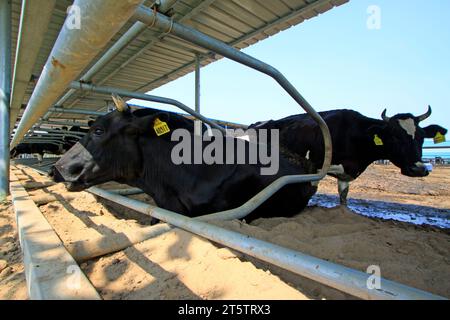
(73, 184)
(416, 171)
(73, 168)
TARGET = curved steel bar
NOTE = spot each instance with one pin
(146, 97)
(164, 23)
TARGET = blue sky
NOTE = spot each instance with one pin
(336, 61)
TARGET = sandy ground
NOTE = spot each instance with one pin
(12, 276)
(177, 265)
(385, 183)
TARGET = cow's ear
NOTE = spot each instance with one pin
(155, 124)
(90, 123)
(378, 134)
(433, 130)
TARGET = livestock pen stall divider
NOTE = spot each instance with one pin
(74, 51)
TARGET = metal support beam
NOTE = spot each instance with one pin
(198, 124)
(62, 132)
(35, 133)
(310, 7)
(74, 49)
(54, 142)
(34, 20)
(5, 92)
(163, 6)
(333, 275)
(77, 111)
(64, 123)
(124, 40)
(165, 24)
(146, 97)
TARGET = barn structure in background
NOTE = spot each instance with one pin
(67, 63)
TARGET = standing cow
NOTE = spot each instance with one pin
(358, 141)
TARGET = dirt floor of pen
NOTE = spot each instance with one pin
(178, 265)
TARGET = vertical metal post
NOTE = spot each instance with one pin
(5, 92)
(198, 123)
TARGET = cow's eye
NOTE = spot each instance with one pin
(98, 131)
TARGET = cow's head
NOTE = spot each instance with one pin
(110, 151)
(402, 139)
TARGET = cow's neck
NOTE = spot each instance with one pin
(372, 152)
(153, 176)
(360, 150)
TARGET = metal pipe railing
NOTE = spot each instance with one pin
(75, 134)
(164, 23)
(34, 20)
(127, 191)
(71, 54)
(64, 123)
(77, 111)
(53, 142)
(52, 135)
(333, 275)
(136, 29)
(146, 97)
(40, 138)
(5, 91)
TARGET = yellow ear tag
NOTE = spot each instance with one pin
(378, 141)
(160, 127)
(439, 138)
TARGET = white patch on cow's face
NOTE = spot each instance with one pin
(308, 154)
(409, 126)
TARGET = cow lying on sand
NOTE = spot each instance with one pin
(358, 141)
(122, 146)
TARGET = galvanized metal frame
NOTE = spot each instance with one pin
(163, 23)
(67, 60)
(63, 123)
(198, 124)
(5, 92)
(74, 111)
(313, 6)
(34, 20)
(146, 97)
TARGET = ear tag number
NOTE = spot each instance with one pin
(378, 141)
(160, 127)
(439, 138)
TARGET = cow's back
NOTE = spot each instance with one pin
(302, 135)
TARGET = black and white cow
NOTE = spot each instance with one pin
(358, 141)
(122, 146)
